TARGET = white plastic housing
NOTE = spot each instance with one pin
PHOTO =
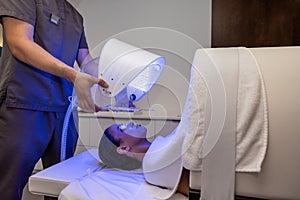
(122, 65)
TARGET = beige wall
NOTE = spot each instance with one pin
(1, 40)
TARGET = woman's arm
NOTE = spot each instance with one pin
(19, 35)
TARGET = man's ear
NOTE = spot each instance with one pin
(123, 149)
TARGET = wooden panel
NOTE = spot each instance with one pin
(296, 33)
(255, 23)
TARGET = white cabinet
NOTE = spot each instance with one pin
(91, 126)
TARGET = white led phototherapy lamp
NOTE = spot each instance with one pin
(122, 66)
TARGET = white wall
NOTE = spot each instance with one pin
(104, 18)
(179, 27)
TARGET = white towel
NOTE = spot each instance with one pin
(110, 184)
(252, 118)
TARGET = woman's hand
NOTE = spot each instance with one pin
(83, 84)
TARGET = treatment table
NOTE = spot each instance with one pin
(280, 174)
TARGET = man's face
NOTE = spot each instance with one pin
(128, 133)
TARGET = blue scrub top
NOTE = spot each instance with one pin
(59, 30)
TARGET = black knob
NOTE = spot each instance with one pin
(132, 97)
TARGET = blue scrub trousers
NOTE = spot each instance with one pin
(25, 137)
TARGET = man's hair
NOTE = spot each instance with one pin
(111, 158)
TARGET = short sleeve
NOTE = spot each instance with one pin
(83, 43)
(24, 10)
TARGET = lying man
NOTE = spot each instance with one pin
(124, 146)
(132, 167)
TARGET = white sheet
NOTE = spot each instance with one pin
(110, 184)
(162, 164)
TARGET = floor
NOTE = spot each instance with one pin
(28, 196)
(247, 198)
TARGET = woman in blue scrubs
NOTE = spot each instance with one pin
(42, 40)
